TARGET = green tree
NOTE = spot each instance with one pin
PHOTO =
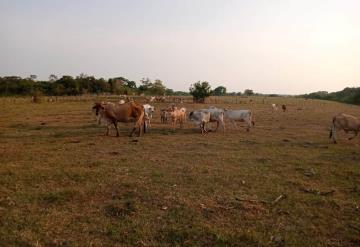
(200, 90)
(220, 91)
(248, 92)
(157, 88)
(69, 85)
(52, 78)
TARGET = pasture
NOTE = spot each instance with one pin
(63, 183)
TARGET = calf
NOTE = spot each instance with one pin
(345, 122)
(200, 118)
(283, 107)
(241, 116)
(149, 110)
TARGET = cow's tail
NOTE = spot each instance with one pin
(144, 123)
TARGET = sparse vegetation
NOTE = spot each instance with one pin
(63, 183)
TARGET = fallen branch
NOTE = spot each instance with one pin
(282, 196)
(250, 200)
(317, 192)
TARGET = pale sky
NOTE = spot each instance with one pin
(270, 46)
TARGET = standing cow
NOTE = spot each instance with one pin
(241, 116)
(127, 112)
(200, 118)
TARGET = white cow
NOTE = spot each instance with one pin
(200, 118)
(241, 116)
(274, 107)
(149, 110)
(216, 115)
(345, 122)
(152, 98)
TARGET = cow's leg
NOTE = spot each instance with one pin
(107, 129)
(248, 126)
(132, 132)
(117, 131)
(234, 123)
(333, 129)
(217, 126)
(356, 133)
(223, 125)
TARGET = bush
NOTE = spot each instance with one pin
(200, 91)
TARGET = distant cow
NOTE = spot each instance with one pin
(274, 107)
(164, 115)
(127, 112)
(345, 122)
(200, 118)
(283, 107)
(241, 116)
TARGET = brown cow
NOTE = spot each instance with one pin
(125, 113)
(345, 122)
(283, 108)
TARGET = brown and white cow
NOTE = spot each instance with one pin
(125, 113)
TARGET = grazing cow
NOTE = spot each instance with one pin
(274, 107)
(121, 102)
(128, 112)
(241, 116)
(216, 115)
(177, 115)
(283, 107)
(345, 122)
(200, 118)
(149, 110)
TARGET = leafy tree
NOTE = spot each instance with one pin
(52, 78)
(157, 88)
(219, 91)
(248, 92)
(200, 90)
(33, 77)
(69, 85)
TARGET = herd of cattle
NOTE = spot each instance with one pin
(126, 112)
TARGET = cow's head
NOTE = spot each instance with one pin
(97, 107)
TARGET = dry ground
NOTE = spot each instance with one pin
(63, 183)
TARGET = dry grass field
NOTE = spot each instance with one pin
(63, 183)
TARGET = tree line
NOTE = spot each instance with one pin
(82, 84)
(349, 95)
(85, 84)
